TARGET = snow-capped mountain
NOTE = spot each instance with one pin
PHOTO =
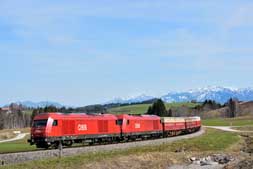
(134, 99)
(39, 104)
(219, 94)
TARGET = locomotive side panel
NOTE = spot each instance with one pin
(138, 125)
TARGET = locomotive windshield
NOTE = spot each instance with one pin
(39, 123)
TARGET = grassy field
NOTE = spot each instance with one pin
(244, 128)
(16, 146)
(143, 157)
(142, 108)
(9, 133)
(239, 121)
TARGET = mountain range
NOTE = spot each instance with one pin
(219, 94)
(128, 100)
(38, 104)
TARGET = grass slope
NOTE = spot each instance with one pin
(142, 157)
(238, 121)
(142, 108)
(16, 146)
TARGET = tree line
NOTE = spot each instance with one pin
(159, 108)
(19, 118)
(14, 119)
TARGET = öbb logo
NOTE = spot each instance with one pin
(137, 125)
(82, 127)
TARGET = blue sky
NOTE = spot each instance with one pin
(85, 52)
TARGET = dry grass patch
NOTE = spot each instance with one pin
(23, 130)
(9, 133)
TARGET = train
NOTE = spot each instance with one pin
(51, 129)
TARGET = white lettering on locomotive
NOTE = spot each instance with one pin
(82, 127)
(137, 125)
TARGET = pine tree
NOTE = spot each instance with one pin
(158, 108)
(50, 109)
(149, 110)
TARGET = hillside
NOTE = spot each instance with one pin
(243, 109)
(142, 108)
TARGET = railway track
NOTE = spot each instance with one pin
(12, 158)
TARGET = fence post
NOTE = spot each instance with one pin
(60, 149)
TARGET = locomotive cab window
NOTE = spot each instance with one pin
(55, 123)
(119, 122)
(127, 122)
(39, 123)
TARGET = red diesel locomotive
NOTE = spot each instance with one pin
(50, 129)
(137, 126)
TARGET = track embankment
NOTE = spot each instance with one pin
(12, 158)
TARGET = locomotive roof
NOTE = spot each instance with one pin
(72, 115)
(144, 116)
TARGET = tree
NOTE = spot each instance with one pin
(34, 113)
(1, 120)
(232, 107)
(63, 109)
(149, 110)
(50, 109)
(169, 113)
(158, 108)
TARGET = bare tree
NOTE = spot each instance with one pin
(232, 107)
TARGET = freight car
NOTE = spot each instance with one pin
(192, 124)
(180, 125)
(50, 129)
(173, 125)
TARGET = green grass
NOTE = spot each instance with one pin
(244, 128)
(212, 140)
(16, 146)
(142, 108)
(131, 109)
(228, 121)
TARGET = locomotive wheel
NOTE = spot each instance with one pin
(68, 143)
(45, 146)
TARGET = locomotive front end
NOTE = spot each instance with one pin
(39, 131)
